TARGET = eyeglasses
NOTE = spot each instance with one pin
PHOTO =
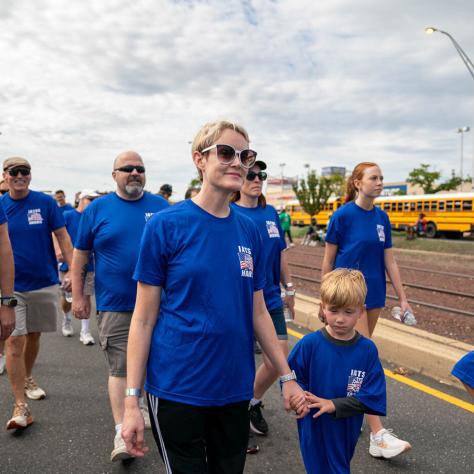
(20, 169)
(129, 169)
(251, 175)
(226, 155)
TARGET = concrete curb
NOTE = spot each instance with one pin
(415, 349)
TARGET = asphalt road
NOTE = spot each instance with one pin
(73, 429)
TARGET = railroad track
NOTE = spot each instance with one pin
(420, 303)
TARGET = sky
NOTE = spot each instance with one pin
(324, 83)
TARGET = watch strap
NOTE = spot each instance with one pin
(288, 377)
(133, 392)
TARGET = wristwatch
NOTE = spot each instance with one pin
(288, 285)
(133, 392)
(8, 301)
(288, 377)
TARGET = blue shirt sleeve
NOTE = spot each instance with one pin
(334, 232)
(85, 236)
(388, 233)
(56, 218)
(464, 369)
(373, 393)
(259, 274)
(298, 361)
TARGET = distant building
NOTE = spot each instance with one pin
(333, 171)
(279, 191)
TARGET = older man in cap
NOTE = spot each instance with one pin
(72, 219)
(32, 218)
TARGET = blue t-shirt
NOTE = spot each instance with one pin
(464, 369)
(112, 228)
(3, 217)
(209, 268)
(65, 208)
(268, 224)
(330, 369)
(361, 237)
(72, 219)
(30, 223)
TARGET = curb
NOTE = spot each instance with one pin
(406, 346)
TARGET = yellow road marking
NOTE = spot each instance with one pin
(417, 385)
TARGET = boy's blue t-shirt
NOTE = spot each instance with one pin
(201, 350)
(361, 237)
(31, 221)
(112, 228)
(3, 217)
(268, 224)
(72, 219)
(333, 369)
(464, 369)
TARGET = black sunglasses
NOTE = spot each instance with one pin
(251, 175)
(227, 154)
(20, 169)
(129, 169)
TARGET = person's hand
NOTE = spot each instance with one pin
(81, 307)
(405, 306)
(293, 396)
(322, 404)
(133, 431)
(289, 301)
(67, 283)
(7, 322)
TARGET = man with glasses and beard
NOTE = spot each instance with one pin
(32, 219)
(112, 228)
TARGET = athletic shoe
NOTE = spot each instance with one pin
(385, 444)
(119, 452)
(32, 390)
(146, 417)
(21, 417)
(257, 423)
(2, 363)
(86, 339)
(68, 330)
(252, 446)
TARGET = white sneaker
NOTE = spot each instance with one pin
(119, 452)
(2, 363)
(32, 390)
(21, 417)
(86, 339)
(68, 330)
(146, 417)
(385, 444)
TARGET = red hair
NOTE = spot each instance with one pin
(357, 174)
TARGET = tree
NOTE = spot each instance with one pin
(425, 178)
(314, 191)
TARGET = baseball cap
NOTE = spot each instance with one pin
(261, 164)
(88, 193)
(15, 161)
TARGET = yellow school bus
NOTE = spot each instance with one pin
(450, 213)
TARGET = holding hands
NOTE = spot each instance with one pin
(322, 404)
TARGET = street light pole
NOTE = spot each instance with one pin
(470, 67)
(462, 131)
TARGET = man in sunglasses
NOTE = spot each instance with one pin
(112, 228)
(32, 219)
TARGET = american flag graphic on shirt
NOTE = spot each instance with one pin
(246, 261)
(354, 384)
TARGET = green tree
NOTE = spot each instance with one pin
(426, 179)
(314, 191)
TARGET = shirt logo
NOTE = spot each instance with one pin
(381, 232)
(355, 382)
(34, 216)
(148, 216)
(272, 230)
(246, 261)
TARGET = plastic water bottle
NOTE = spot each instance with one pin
(407, 318)
(286, 310)
(67, 294)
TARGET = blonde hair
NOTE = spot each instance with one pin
(357, 174)
(343, 288)
(211, 131)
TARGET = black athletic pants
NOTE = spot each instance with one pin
(200, 440)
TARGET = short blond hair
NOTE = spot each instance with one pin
(211, 131)
(343, 288)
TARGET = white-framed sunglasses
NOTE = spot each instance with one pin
(226, 155)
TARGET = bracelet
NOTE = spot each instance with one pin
(288, 285)
(133, 392)
(290, 293)
(288, 377)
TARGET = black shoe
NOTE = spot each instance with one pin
(256, 348)
(257, 423)
(252, 446)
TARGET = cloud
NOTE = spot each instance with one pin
(314, 82)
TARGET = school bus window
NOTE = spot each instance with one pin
(386, 206)
(457, 205)
(412, 206)
(426, 206)
(406, 206)
(441, 205)
(467, 205)
(399, 206)
(394, 206)
(434, 205)
(449, 205)
(419, 206)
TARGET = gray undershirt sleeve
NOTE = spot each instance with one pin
(348, 406)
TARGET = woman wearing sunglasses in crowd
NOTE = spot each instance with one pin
(197, 334)
(251, 202)
(359, 237)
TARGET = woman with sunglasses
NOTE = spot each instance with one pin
(199, 300)
(251, 202)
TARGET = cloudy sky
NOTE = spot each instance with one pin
(329, 82)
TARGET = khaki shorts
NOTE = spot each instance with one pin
(88, 283)
(36, 311)
(113, 338)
